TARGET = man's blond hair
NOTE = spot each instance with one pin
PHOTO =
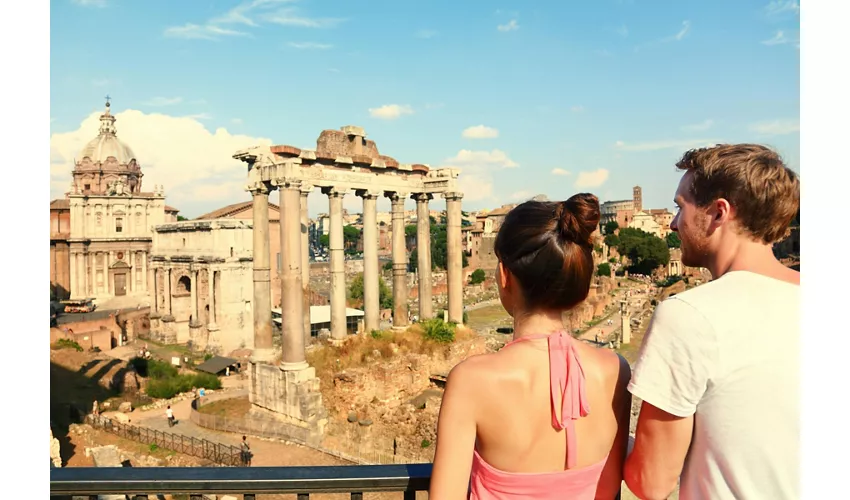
(753, 179)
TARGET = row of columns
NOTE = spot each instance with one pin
(83, 269)
(295, 265)
(164, 275)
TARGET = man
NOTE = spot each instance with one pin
(246, 452)
(718, 371)
(170, 416)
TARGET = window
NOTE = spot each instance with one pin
(86, 187)
(119, 224)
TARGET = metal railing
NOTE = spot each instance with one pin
(248, 482)
(215, 452)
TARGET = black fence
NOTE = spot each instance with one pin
(214, 452)
(248, 482)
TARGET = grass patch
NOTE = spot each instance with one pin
(67, 344)
(485, 318)
(234, 407)
(165, 381)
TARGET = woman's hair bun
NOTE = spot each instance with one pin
(578, 218)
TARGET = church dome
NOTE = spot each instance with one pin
(107, 144)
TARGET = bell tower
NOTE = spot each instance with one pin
(637, 198)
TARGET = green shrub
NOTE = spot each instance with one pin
(425, 443)
(68, 344)
(377, 334)
(438, 330)
(208, 356)
(477, 277)
(603, 269)
(165, 381)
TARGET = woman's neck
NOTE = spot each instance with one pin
(535, 323)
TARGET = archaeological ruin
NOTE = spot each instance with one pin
(344, 161)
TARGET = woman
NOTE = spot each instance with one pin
(547, 416)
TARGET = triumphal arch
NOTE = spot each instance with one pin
(344, 163)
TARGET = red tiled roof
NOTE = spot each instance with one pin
(169, 208)
(233, 209)
(60, 204)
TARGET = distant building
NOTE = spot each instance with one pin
(646, 223)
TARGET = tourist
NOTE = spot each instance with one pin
(547, 416)
(170, 416)
(245, 451)
(719, 368)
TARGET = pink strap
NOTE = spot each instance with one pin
(566, 376)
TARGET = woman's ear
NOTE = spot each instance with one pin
(504, 279)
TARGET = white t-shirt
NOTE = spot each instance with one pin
(169, 413)
(728, 352)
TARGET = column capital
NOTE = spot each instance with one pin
(306, 189)
(453, 195)
(259, 188)
(334, 192)
(422, 197)
(396, 195)
(285, 183)
(372, 194)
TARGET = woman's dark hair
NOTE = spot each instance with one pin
(548, 247)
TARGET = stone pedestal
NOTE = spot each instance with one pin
(293, 395)
(197, 335)
(167, 330)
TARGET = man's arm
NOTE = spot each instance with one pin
(661, 444)
(456, 431)
(677, 361)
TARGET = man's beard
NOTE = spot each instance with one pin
(694, 251)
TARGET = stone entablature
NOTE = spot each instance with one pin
(206, 240)
(115, 217)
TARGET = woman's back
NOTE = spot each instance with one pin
(523, 439)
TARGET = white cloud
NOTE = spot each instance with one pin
(290, 17)
(310, 45)
(577, 109)
(779, 7)
(193, 163)
(778, 39)
(89, 3)
(512, 25)
(686, 26)
(591, 179)
(521, 195)
(199, 116)
(236, 121)
(477, 167)
(480, 132)
(390, 111)
(776, 127)
(197, 32)
(699, 127)
(560, 171)
(248, 14)
(682, 145)
(426, 34)
(495, 158)
(163, 101)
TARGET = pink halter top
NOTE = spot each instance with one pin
(566, 383)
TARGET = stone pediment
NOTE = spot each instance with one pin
(120, 264)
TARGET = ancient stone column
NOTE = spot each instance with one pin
(73, 266)
(262, 278)
(85, 273)
(337, 255)
(423, 253)
(455, 257)
(306, 189)
(168, 292)
(144, 271)
(193, 293)
(211, 289)
(371, 270)
(155, 296)
(399, 259)
(292, 293)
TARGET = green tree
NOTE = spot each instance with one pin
(611, 226)
(385, 295)
(603, 269)
(646, 251)
(180, 218)
(439, 252)
(410, 230)
(325, 241)
(350, 237)
(612, 240)
(673, 240)
(477, 277)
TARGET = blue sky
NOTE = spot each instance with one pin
(612, 87)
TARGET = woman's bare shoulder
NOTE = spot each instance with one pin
(608, 363)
